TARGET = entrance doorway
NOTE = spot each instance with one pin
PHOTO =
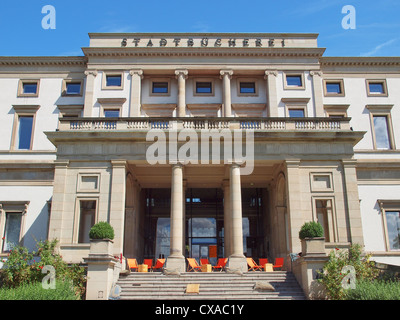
(204, 223)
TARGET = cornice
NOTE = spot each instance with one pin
(359, 61)
(43, 61)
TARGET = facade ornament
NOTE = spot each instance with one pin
(270, 73)
(181, 72)
(227, 73)
(91, 72)
(138, 72)
(316, 73)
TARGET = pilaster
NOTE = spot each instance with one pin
(136, 89)
(318, 93)
(226, 76)
(90, 78)
(181, 75)
(270, 76)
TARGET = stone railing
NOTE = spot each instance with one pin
(257, 124)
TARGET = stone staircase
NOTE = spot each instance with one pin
(212, 286)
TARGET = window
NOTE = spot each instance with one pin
(293, 80)
(334, 88)
(28, 88)
(248, 87)
(376, 88)
(324, 215)
(204, 87)
(111, 113)
(296, 113)
(24, 127)
(72, 87)
(391, 223)
(12, 219)
(87, 218)
(160, 87)
(112, 80)
(336, 111)
(381, 124)
(382, 139)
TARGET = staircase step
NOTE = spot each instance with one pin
(213, 286)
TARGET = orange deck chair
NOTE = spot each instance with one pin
(149, 263)
(192, 265)
(221, 264)
(253, 265)
(132, 264)
(204, 261)
(278, 263)
(159, 264)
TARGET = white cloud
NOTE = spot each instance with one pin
(378, 48)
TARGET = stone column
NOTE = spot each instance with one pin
(237, 260)
(117, 203)
(227, 219)
(226, 76)
(90, 78)
(181, 75)
(318, 93)
(294, 210)
(176, 259)
(352, 201)
(136, 89)
(270, 76)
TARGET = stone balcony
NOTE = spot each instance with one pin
(173, 123)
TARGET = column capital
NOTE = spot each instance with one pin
(270, 73)
(138, 72)
(181, 72)
(316, 73)
(91, 72)
(226, 73)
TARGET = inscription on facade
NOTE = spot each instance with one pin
(204, 42)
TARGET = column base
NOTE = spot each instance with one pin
(175, 263)
(237, 263)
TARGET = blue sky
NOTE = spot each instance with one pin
(377, 30)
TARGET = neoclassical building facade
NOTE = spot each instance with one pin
(200, 145)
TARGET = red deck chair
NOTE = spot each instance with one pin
(279, 263)
(149, 263)
(204, 261)
(253, 265)
(159, 264)
(262, 262)
(132, 264)
(192, 265)
(221, 264)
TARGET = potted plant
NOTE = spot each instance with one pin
(101, 236)
(312, 238)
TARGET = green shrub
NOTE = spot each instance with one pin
(333, 273)
(64, 290)
(374, 290)
(311, 229)
(23, 268)
(101, 230)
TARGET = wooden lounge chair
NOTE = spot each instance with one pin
(204, 261)
(278, 263)
(159, 264)
(149, 263)
(220, 264)
(253, 266)
(132, 264)
(192, 265)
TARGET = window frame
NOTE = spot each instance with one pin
(65, 85)
(198, 80)
(13, 207)
(296, 103)
(287, 74)
(333, 94)
(239, 81)
(332, 217)
(382, 111)
(160, 80)
(28, 81)
(23, 111)
(111, 74)
(384, 87)
(388, 205)
(77, 216)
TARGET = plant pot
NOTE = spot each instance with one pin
(101, 246)
(312, 246)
